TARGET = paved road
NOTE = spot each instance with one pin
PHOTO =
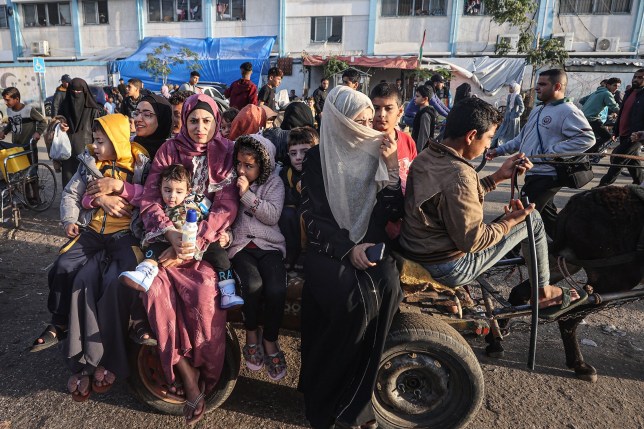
(32, 386)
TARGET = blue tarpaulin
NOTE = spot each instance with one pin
(219, 59)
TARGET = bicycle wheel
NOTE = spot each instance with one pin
(38, 187)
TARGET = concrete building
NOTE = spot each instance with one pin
(87, 33)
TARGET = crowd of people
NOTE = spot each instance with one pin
(338, 172)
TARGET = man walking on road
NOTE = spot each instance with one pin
(629, 120)
(59, 95)
(558, 126)
(319, 97)
(592, 107)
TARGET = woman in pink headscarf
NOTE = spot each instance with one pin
(182, 308)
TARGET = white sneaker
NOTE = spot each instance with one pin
(228, 297)
(141, 279)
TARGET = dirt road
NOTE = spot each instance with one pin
(32, 385)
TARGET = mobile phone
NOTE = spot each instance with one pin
(376, 252)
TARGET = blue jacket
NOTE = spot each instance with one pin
(412, 109)
(593, 104)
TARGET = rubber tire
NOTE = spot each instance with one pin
(44, 205)
(214, 399)
(423, 334)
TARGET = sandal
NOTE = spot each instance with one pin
(103, 375)
(194, 404)
(137, 334)
(175, 396)
(275, 365)
(77, 384)
(554, 311)
(254, 356)
(51, 336)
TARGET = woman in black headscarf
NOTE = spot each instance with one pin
(153, 122)
(79, 109)
(297, 114)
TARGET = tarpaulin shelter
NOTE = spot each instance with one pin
(219, 59)
(404, 63)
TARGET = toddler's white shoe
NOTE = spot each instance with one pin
(141, 279)
(228, 297)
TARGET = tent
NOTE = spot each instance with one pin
(219, 59)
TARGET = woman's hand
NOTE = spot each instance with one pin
(64, 127)
(516, 213)
(168, 258)
(105, 186)
(358, 257)
(71, 230)
(113, 205)
(182, 250)
(389, 152)
(242, 185)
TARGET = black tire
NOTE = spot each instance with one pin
(428, 377)
(41, 177)
(147, 377)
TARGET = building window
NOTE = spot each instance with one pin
(474, 8)
(3, 17)
(231, 10)
(594, 7)
(174, 10)
(95, 12)
(413, 7)
(46, 14)
(326, 29)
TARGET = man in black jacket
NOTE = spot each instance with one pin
(59, 95)
(629, 120)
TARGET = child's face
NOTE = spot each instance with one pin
(247, 166)
(174, 192)
(296, 154)
(103, 147)
(201, 126)
(419, 100)
(224, 128)
(311, 103)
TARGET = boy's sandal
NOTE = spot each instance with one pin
(51, 336)
(193, 406)
(79, 387)
(137, 334)
(276, 366)
(102, 375)
(555, 311)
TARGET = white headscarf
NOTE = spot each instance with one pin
(514, 95)
(352, 166)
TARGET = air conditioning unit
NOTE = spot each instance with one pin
(566, 40)
(40, 48)
(510, 39)
(607, 44)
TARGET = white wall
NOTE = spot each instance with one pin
(5, 45)
(402, 35)
(262, 19)
(588, 27)
(121, 32)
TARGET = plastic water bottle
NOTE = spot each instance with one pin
(189, 229)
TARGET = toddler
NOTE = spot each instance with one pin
(299, 141)
(175, 191)
(257, 252)
(227, 120)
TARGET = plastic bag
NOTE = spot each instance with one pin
(61, 148)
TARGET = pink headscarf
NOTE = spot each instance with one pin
(214, 149)
(250, 120)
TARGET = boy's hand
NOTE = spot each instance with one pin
(113, 205)
(358, 257)
(516, 213)
(389, 152)
(491, 154)
(71, 230)
(242, 185)
(224, 239)
(105, 186)
(507, 168)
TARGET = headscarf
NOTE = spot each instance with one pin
(163, 110)
(352, 166)
(464, 90)
(250, 120)
(165, 91)
(512, 98)
(215, 149)
(297, 114)
(75, 104)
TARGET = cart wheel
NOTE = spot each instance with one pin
(428, 377)
(147, 379)
(39, 187)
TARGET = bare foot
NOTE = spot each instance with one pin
(550, 296)
(270, 347)
(195, 405)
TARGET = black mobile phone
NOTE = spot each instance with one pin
(376, 252)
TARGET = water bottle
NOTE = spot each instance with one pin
(189, 229)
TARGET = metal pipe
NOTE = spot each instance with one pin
(534, 283)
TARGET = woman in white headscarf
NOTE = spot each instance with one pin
(350, 190)
(511, 125)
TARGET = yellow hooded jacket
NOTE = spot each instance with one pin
(117, 130)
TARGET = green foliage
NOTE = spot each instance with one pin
(159, 62)
(421, 75)
(520, 14)
(333, 66)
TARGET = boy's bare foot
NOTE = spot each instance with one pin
(51, 336)
(550, 296)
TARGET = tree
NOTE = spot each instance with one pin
(333, 66)
(521, 14)
(159, 62)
